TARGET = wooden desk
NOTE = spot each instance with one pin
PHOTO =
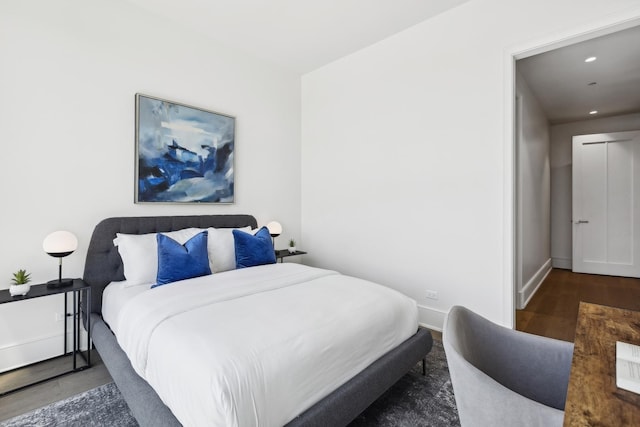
(592, 397)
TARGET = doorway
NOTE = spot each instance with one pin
(534, 259)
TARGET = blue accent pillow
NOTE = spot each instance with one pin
(252, 250)
(179, 262)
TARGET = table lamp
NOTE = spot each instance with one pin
(59, 244)
(275, 229)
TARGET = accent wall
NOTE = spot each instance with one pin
(70, 70)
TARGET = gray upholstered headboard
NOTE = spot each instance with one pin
(104, 265)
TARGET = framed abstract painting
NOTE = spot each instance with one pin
(183, 154)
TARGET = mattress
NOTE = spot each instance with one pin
(255, 346)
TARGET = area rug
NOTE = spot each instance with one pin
(102, 406)
(415, 400)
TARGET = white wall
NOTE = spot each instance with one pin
(404, 172)
(70, 69)
(561, 183)
(534, 198)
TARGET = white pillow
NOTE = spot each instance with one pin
(222, 248)
(139, 253)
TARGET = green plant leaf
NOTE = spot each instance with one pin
(21, 277)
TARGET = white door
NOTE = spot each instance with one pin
(606, 204)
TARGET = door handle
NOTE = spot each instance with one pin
(582, 221)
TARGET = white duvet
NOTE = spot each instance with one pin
(258, 346)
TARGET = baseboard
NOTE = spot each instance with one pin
(16, 355)
(529, 290)
(564, 263)
(431, 318)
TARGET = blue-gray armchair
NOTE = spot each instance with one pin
(502, 377)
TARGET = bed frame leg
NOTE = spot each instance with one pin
(424, 366)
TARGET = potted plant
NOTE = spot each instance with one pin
(20, 283)
(292, 246)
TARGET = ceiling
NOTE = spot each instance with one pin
(298, 35)
(303, 35)
(563, 82)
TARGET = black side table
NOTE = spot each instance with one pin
(283, 253)
(37, 291)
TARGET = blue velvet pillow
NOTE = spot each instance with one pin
(255, 249)
(179, 262)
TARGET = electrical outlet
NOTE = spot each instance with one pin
(59, 317)
(432, 294)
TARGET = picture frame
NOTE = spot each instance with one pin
(183, 154)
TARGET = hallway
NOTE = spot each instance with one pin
(553, 310)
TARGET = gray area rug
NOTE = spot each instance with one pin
(415, 400)
(102, 406)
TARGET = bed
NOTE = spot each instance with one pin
(323, 400)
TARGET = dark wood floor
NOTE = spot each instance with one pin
(37, 396)
(553, 310)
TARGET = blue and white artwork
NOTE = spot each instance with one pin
(184, 154)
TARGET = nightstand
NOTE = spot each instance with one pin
(283, 253)
(78, 288)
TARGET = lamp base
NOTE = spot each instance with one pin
(59, 283)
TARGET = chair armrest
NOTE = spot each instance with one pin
(482, 401)
(533, 366)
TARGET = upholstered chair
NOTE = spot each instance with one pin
(502, 377)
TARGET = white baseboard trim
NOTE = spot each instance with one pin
(431, 318)
(564, 263)
(16, 355)
(529, 290)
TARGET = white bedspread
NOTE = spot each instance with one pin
(115, 296)
(258, 346)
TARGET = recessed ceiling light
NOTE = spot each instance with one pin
(590, 59)
(593, 112)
